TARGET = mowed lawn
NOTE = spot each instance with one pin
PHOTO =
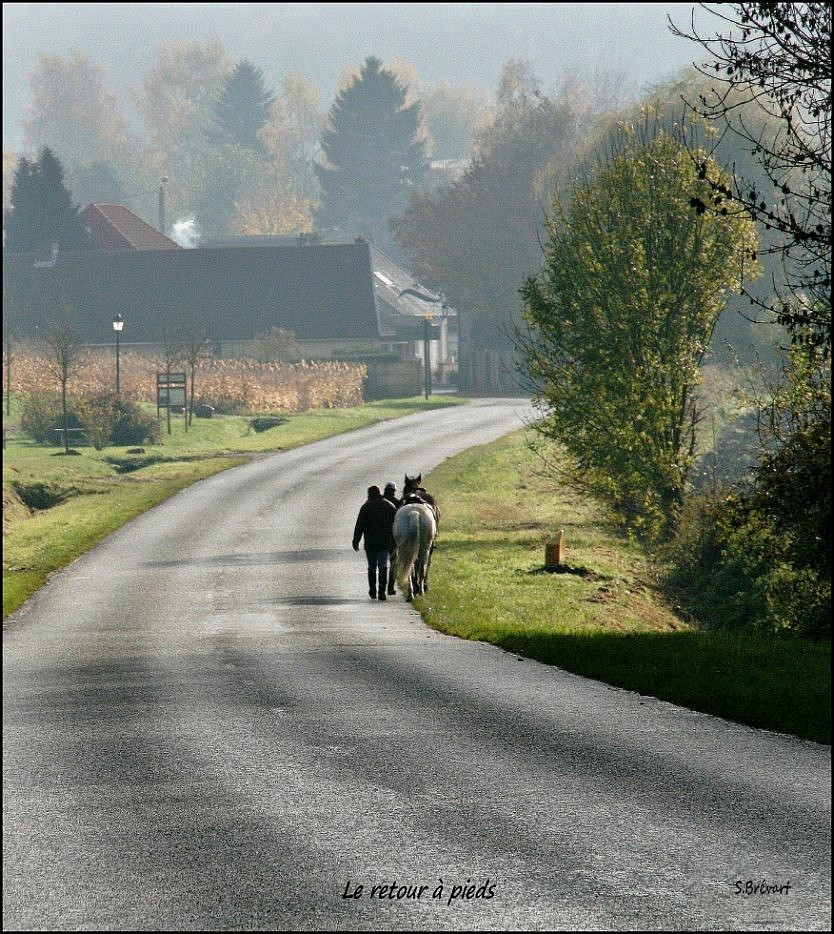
(603, 614)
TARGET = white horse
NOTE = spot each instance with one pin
(414, 532)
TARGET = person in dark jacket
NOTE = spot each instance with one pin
(375, 523)
(390, 493)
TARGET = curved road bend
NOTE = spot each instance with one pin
(209, 726)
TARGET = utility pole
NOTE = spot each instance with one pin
(162, 184)
(426, 356)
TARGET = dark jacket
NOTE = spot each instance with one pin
(375, 522)
(393, 499)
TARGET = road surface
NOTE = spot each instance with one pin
(208, 726)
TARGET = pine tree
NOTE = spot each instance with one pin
(375, 159)
(41, 209)
(243, 108)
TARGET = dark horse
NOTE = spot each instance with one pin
(413, 486)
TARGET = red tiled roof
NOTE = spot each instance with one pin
(114, 227)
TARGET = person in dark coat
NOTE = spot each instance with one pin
(375, 523)
(390, 493)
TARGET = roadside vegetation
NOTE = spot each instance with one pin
(56, 507)
(605, 614)
(654, 232)
(656, 224)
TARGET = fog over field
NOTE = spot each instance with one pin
(459, 43)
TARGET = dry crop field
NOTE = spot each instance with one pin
(244, 384)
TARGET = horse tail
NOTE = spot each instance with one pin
(408, 538)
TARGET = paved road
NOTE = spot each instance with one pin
(209, 726)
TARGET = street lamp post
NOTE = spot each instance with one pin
(118, 324)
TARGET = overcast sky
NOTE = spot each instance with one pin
(462, 43)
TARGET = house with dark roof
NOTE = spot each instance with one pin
(407, 311)
(324, 294)
(332, 296)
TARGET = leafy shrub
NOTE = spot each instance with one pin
(96, 416)
(41, 414)
(132, 426)
(736, 570)
(793, 487)
(105, 419)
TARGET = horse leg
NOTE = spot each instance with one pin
(419, 578)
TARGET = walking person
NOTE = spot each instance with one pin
(390, 493)
(375, 523)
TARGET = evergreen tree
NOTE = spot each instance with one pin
(243, 108)
(41, 209)
(375, 159)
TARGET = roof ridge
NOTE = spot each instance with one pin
(120, 223)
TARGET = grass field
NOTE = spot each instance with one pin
(603, 615)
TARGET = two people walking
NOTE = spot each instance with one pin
(375, 523)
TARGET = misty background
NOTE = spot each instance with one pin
(460, 43)
(130, 99)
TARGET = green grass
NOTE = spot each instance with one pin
(52, 538)
(604, 616)
(100, 499)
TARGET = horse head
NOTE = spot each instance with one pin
(412, 484)
(413, 487)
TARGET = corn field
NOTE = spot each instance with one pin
(234, 384)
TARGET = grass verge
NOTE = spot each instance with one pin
(603, 616)
(96, 492)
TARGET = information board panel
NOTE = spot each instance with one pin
(170, 391)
